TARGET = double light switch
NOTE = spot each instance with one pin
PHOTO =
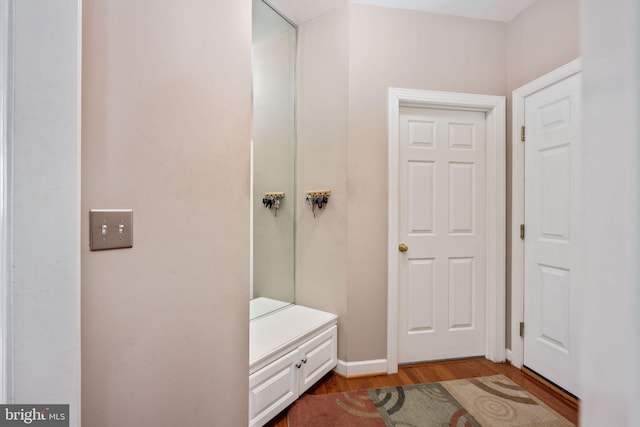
(110, 229)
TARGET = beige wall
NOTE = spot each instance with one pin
(540, 39)
(166, 130)
(398, 48)
(348, 59)
(321, 242)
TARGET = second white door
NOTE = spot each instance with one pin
(441, 283)
(552, 221)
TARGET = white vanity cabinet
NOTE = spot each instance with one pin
(273, 388)
(289, 351)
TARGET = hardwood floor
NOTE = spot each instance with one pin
(443, 371)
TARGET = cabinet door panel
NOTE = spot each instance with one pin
(318, 356)
(273, 388)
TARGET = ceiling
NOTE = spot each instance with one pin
(301, 11)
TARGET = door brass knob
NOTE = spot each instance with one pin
(402, 247)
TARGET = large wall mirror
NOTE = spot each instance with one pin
(273, 161)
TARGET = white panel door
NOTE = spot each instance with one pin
(552, 221)
(441, 283)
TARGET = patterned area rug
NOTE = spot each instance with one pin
(484, 401)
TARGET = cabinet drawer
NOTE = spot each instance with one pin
(273, 388)
(318, 356)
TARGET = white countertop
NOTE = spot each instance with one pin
(276, 334)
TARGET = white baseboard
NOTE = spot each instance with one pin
(509, 355)
(361, 368)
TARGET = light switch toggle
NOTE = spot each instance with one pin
(110, 229)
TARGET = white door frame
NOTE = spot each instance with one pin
(6, 18)
(516, 355)
(495, 109)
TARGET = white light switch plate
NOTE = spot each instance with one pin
(110, 229)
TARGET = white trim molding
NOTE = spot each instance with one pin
(495, 109)
(361, 368)
(516, 355)
(6, 154)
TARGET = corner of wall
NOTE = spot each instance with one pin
(322, 128)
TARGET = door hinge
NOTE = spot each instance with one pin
(522, 133)
(522, 231)
(522, 329)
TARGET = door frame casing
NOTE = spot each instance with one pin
(516, 354)
(495, 157)
(6, 193)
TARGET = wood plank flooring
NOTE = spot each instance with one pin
(443, 371)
